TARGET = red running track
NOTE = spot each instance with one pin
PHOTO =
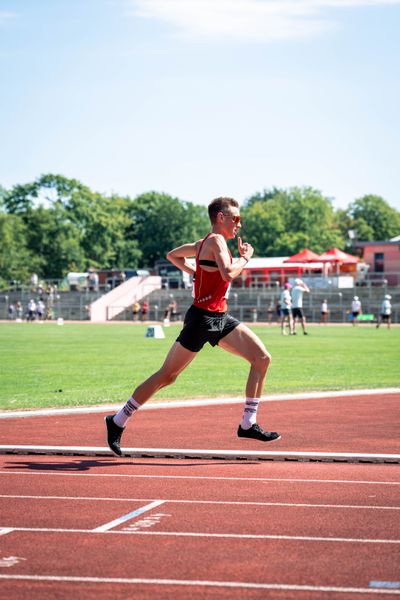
(365, 424)
(222, 529)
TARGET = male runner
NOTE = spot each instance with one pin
(207, 320)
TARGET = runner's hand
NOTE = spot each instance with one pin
(245, 249)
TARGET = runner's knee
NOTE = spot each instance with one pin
(168, 377)
(262, 361)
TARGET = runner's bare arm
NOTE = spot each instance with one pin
(228, 270)
(178, 257)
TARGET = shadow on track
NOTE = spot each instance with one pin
(87, 465)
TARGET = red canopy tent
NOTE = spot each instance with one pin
(304, 256)
(338, 256)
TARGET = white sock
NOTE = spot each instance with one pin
(126, 412)
(250, 412)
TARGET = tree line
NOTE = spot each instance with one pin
(55, 225)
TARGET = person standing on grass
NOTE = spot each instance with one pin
(207, 320)
(385, 312)
(355, 309)
(324, 312)
(297, 304)
(286, 309)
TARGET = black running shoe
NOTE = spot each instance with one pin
(256, 433)
(113, 435)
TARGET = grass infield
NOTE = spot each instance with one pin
(78, 365)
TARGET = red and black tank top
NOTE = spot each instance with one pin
(210, 290)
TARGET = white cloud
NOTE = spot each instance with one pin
(6, 16)
(258, 20)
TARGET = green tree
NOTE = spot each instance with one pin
(373, 219)
(16, 261)
(283, 222)
(71, 227)
(161, 222)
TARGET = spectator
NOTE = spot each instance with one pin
(93, 280)
(385, 312)
(40, 292)
(171, 310)
(135, 310)
(355, 309)
(11, 311)
(19, 311)
(270, 312)
(50, 296)
(297, 304)
(88, 311)
(34, 282)
(40, 310)
(120, 278)
(31, 310)
(324, 312)
(286, 306)
(145, 310)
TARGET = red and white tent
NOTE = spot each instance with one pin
(338, 256)
(305, 256)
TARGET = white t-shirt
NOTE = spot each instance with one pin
(386, 308)
(297, 296)
(324, 307)
(355, 306)
(286, 301)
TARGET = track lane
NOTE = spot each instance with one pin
(272, 561)
(289, 520)
(306, 425)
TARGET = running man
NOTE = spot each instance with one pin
(207, 320)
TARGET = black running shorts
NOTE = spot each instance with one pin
(201, 326)
(297, 312)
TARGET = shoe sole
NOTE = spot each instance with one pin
(258, 439)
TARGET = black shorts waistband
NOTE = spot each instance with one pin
(209, 313)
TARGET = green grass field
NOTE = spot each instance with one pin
(94, 364)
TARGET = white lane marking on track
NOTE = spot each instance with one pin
(221, 502)
(200, 583)
(203, 477)
(10, 561)
(238, 536)
(196, 403)
(5, 530)
(127, 517)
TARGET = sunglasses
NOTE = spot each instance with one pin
(235, 218)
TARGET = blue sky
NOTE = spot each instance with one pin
(202, 98)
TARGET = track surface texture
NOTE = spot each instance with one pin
(100, 528)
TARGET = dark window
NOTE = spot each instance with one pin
(379, 262)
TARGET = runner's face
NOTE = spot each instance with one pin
(232, 221)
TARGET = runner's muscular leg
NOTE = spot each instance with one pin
(177, 360)
(243, 342)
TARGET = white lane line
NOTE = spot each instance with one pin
(5, 530)
(230, 536)
(217, 502)
(201, 477)
(195, 403)
(201, 583)
(250, 536)
(128, 517)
